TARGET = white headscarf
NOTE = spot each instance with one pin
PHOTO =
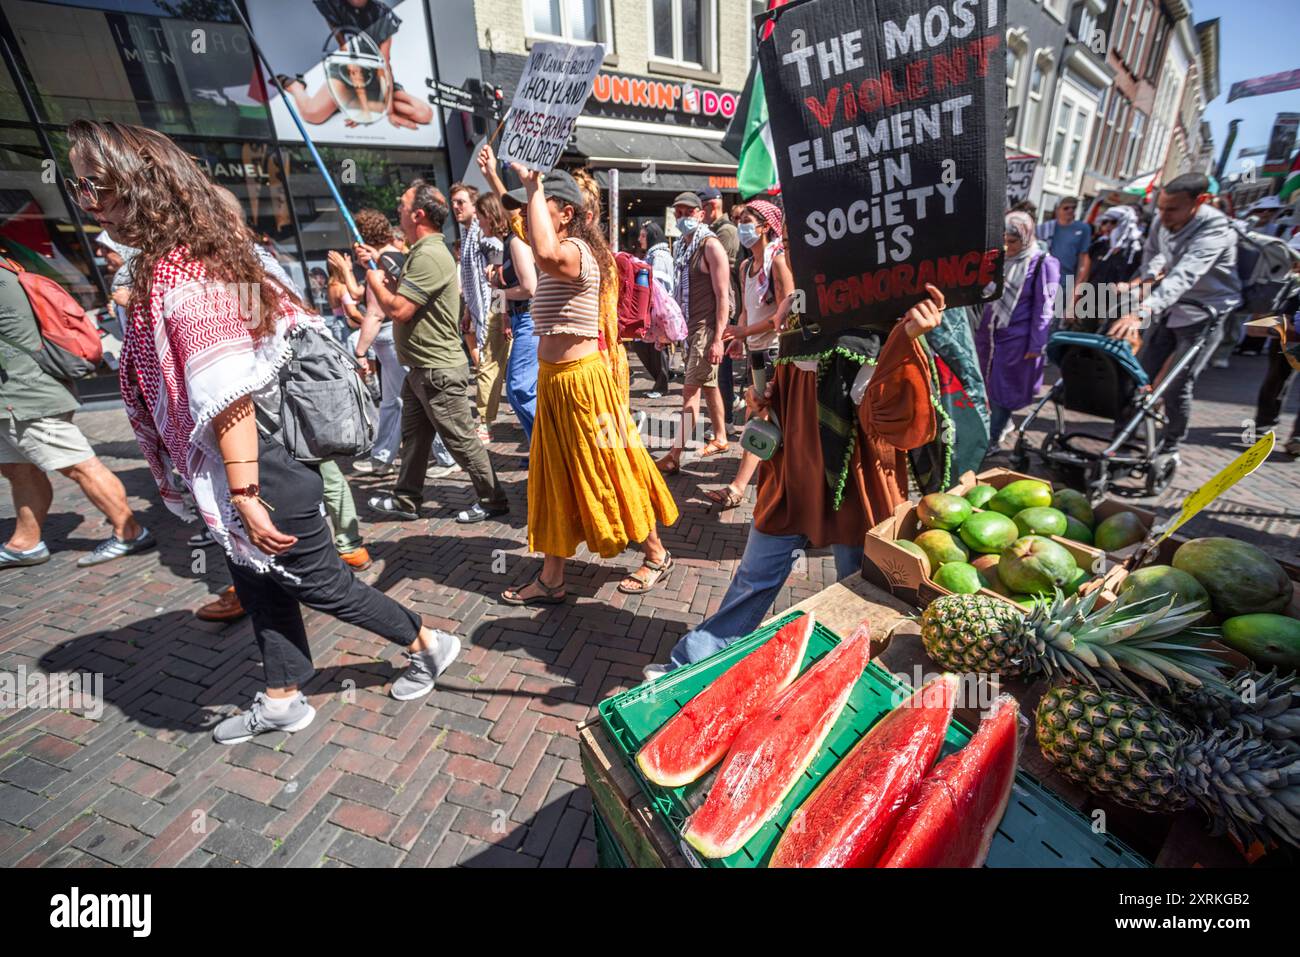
(1127, 234)
(1015, 268)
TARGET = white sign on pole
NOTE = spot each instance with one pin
(556, 82)
(1020, 178)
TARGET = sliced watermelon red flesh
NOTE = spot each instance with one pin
(952, 820)
(774, 748)
(848, 819)
(697, 737)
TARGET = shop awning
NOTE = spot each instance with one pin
(680, 162)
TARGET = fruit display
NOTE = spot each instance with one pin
(1035, 565)
(1266, 639)
(1019, 495)
(848, 818)
(989, 532)
(698, 736)
(1069, 638)
(1119, 531)
(1153, 580)
(1075, 505)
(979, 495)
(941, 510)
(1240, 578)
(960, 578)
(1135, 752)
(773, 750)
(941, 547)
(953, 818)
(1077, 531)
(1041, 520)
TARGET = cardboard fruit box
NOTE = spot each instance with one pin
(999, 477)
(901, 573)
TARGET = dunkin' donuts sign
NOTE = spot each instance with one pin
(629, 91)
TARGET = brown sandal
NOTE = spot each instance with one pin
(550, 595)
(725, 498)
(713, 448)
(658, 572)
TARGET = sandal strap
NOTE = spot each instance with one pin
(657, 566)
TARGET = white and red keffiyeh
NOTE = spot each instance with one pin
(189, 353)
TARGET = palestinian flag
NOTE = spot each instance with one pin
(749, 138)
(1292, 182)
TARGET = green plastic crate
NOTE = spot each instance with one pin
(608, 851)
(1038, 830)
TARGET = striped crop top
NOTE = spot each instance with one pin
(569, 306)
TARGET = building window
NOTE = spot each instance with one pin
(1135, 140)
(1079, 127)
(1034, 104)
(1119, 23)
(582, 20)
(683, 31)
(1140, 19)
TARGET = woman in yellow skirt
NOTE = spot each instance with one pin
(589, 478)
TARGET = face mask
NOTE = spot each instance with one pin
(748, 234)
(686, 226)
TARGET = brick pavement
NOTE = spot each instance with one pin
(484, 772)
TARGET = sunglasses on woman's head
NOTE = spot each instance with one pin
(85, 191)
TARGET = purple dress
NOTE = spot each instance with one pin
(1010, 381)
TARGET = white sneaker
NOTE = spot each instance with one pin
(442, 471)
(652, 672)
(371, 467)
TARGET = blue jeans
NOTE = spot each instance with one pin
(521, 372)
(765, 566)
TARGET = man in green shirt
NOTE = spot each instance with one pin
(37, 436)
(425, 309)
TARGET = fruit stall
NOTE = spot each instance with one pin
(1019, 679)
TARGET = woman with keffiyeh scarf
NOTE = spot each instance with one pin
(207, 334)
(1011, 333)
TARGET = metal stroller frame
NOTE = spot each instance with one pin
(1110, 363)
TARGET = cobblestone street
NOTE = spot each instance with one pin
(484, 771)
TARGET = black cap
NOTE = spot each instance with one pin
(557, 185)
(710, 193)
(687, 198)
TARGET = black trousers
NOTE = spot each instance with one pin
(324, 582)
(1272, 391)
(654, 363)
(727, 386)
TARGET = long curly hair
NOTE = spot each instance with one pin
(168, 202)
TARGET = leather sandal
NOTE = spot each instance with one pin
(670, 464)
(658, 573)
(714, 447)
(725, 498)
(551, 595)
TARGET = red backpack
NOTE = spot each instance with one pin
(634, 280)
(70, 346)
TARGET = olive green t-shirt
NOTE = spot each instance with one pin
(431, 340)
(26, 392)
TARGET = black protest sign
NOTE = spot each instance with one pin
(887, 121)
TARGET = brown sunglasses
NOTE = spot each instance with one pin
(85, 191)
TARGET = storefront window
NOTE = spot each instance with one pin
(35, 229)
(175, 75)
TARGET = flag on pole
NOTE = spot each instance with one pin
(1292, 182)
(749, 137)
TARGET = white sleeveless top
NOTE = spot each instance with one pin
(756, 311)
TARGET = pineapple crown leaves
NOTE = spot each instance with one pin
(1248, 786)
(1120, 640)
(1266, 705)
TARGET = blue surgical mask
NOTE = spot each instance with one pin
(748, 234)
(686, 226)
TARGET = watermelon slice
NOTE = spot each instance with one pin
(774, 748)
(952, 820)
(847, 820)
(697, 737)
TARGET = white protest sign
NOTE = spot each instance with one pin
(556, 82)
(1020, 178)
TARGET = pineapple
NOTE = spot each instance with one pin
(1118, 745)
(1264, 705)
(1066, 638)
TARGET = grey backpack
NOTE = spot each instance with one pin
(325, 411)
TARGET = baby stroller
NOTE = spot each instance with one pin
(1100, 376)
